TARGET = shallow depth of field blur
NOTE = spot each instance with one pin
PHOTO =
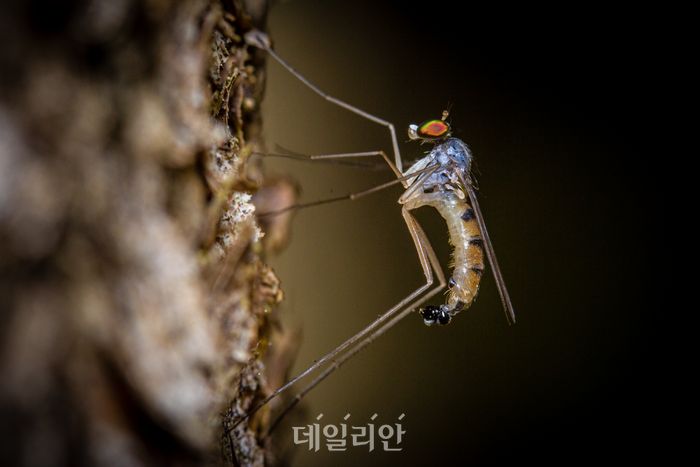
(546, 108)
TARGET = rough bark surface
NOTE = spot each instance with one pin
(136, 306)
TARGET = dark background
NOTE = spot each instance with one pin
(552, 103)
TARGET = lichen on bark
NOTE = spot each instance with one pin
(136, 301)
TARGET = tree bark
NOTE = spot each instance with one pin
(136, 301)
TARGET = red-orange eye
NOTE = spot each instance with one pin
(433, 129)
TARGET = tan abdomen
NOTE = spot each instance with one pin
(465, 237)
(468, 254)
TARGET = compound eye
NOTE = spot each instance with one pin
(433, 129)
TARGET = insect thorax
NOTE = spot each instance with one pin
(453, 159)
(453, 152)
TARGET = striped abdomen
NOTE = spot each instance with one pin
(465, 237)
(468, 255)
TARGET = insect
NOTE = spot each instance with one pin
(442, 180)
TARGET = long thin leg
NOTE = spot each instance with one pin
(424, 259)
(356, 195)
(337, 158)
(417, 233)
(260, 40)
(417, 184)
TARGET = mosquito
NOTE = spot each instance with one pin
(442, 180)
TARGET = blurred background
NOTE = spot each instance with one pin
(549, 101)
(554, 104)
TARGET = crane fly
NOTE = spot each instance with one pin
(442, 180)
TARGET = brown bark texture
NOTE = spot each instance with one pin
(137, 308)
